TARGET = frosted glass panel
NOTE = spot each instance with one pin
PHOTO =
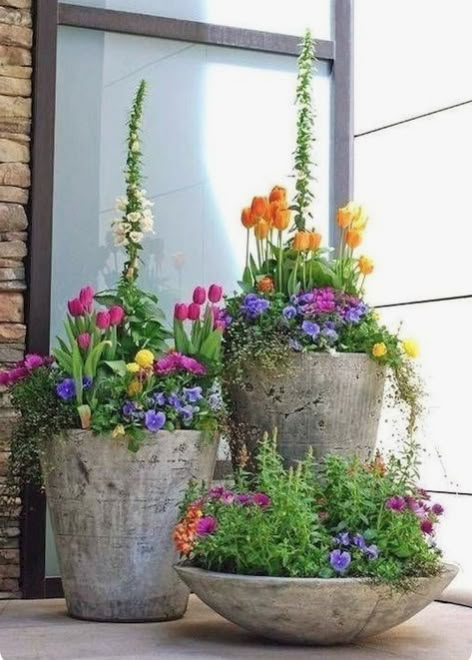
(446, 365)
(415, 180)
(410, 58)
(287, 18)
(219, 127)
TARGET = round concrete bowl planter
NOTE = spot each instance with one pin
(329, 402)
(113, 512)
(312, 611)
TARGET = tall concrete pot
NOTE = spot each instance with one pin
(312, 610)
(329, 402)
(113, 513)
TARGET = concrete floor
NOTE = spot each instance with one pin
(40, 630)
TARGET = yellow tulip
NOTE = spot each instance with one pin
(145, 358)
(379, 350)
(346, 214)
(411, 348)
(261, 230)
(133, 367)
(366, 265)
(301, 241)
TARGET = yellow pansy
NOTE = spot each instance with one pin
(135, 387)
(379, 350)
(145, 358)
(118, 430)
(133, 367)
(411, 348)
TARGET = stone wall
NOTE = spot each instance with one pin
(16, 37)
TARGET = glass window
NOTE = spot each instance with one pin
(266, 15)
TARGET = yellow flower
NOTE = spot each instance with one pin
(144, 358)
(133, 367)
(135, 387)
(411, 348)
(366, 265)
(379, 350)
(359, 222)
(118, 430)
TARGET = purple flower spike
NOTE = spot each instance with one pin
(396, 503)
(206, 526)
(339, 560)
(261, 499)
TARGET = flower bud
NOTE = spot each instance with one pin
(181, 312)
(278, 194)
(86, 298)
(215, 293)
(260, 206)
(199, 295)
(301, 241)
(314, 240)
(117, 314)
(83, 340)
(248, 219)
(75, 307)
(261, 230)
(194, 311)
(353, 238)
(103, 320)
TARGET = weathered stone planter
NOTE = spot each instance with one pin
(113, 513)
(312, 610)
(331, 403)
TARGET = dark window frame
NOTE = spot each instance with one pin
(49, 15)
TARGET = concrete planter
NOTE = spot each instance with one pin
(113, 513)
(331, 403)
(312, 610)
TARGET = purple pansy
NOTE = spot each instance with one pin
(154, 421)
(128, 408)
(289, 312)
(253, 306)
(371, 552)
(339, 560)
(311, 329)
(192, 394)
(65, 390)
(359, 541)
(343, 538)
(159, 398)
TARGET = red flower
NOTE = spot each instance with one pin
(193, 311)
(103, 320)
(117, 314)
(199, 295)
(181, 312)
(215, 293)
(75, 307)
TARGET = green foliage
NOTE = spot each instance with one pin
(305, 137)
(42, 415)
(308, 512)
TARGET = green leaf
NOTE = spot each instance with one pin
(63, 360)
(181, 340)
(77, 373)
(211, 346)
(117, 366)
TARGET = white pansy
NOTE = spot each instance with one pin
(136, 236)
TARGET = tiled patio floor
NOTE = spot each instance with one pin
(40, 630)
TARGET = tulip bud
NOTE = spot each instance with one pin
(281, 218)
(86, 298)
(366, 265)
(83, 340)
(260, 206)
(199, 295)
(261, 230)
(193, 311)
(353, 238)
(314, 240)
(117, 314)
(215, 293)
(103, 320)
(248, 219)
(301, 241)
(181, 312)
(75, 307)
(278, 194)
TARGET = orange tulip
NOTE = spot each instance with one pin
(346, 215)
(278, 194)
(314, 240)
(261, 229)
(266, 285)
(366, 265)
(353, 238)
(301, 241)
(260, 206)
(281, 218)
(247, 218)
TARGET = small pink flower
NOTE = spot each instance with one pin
(181, 312)
(18, 373)
(426, 526)
(261, 499)
(199, 295)
(117, 314)
(192, 366)
(86, 298)
(103, 320)
(194, 311)
(396, 503)
(75, 307)
(33, 361)
(215, 293)
(206, 526)
(437, 509)
(83, 340)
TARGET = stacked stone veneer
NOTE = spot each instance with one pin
(16, 37)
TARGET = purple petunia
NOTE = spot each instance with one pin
(311, 329)
(154, 421)
(339, 560)
(65, 390)
(207, 525)
(396, 503)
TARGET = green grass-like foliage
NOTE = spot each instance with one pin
(309, 506)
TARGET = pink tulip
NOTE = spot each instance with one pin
(86, 298)
(215, 293)
(117, 314)
(75, 307)
(83, 340)
(199, 295)
(103, 320)
(181, 312)
(193, 311)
